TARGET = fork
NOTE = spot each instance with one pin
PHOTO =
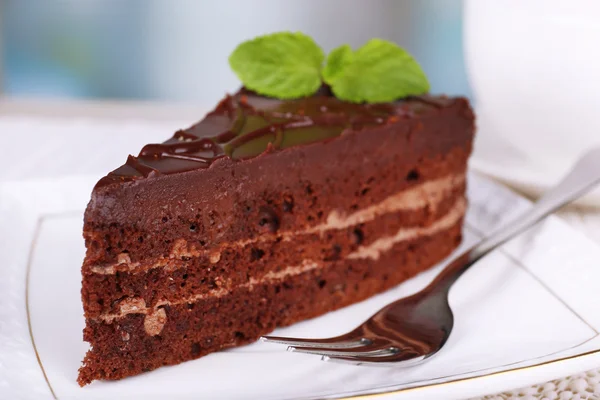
(412, 329)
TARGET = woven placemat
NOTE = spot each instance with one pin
(582, 386)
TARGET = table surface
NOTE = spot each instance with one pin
(582, 386)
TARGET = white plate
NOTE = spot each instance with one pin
(517, 168)
(525, 314)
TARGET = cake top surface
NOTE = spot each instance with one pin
(245, 125)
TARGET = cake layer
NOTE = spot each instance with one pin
(174, 279)
(290, 189)
(136, 342)
(415, 205)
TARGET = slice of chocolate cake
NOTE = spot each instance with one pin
(265, 213)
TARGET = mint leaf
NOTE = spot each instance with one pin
(337, 60)
(285, 65)
(378, 72)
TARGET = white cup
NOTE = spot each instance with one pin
(534, 66)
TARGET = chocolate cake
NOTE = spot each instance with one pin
(265, 213)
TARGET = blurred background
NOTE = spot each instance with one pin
(176, 50)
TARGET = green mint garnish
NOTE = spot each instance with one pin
(284, 65)
(290, 65)
(378, 72)
(337, 61)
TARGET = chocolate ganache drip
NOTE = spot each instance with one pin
(245, 125)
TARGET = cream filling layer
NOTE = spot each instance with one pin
(383, 244)
(137, 305)
(428, 194)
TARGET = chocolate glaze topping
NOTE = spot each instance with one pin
(246, 125)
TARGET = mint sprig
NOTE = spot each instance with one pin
(337, 61)
(284, 65)
(378, 72)
(290, 65)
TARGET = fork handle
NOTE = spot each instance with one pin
(581, 179)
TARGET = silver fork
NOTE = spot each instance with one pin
(412, 329)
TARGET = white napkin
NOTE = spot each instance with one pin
(44, 147)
